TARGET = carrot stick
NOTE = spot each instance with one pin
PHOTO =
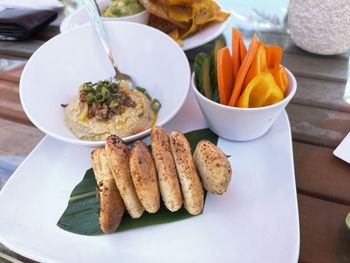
(268, 55)
(225, 76)
(276, 56)
(253, 47)
(257, 66)
(236, 57)
(280, 76)
(242, 49)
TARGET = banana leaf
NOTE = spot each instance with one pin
(82, 213)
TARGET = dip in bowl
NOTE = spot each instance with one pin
(80, 16)
(123, 10)
(120, 8)
(106, 107)
(53, 74)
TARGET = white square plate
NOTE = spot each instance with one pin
(256, 220)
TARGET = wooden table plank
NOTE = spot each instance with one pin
(10, 106)
(324, 236)
(317, 67)
(291, 48)
(12, 133)
(13, 75)
(318, 126)
(322, 93)
(320, 174)
(23, 49)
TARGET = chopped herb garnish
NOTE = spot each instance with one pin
(155, 105)
(140, 89)
(104, 99)
(144, 92)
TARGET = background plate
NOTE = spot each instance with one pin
(256, 220)
(208, 33)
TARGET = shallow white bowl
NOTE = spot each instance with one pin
(242, 124)
(81, 17)
(141, 18)
(53, 74)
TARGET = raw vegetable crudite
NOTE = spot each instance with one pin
(243, 70)
(225, 77)
(261, 91)
(253, 78)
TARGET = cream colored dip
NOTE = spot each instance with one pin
(133, 120)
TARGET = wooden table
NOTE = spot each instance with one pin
(319, 117)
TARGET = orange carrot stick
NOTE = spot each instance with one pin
(257, 66)
(268, 55)
(280, 76)
(253, 47)
(225, 76)
(242, 49)
(276, 56)
(236, 57)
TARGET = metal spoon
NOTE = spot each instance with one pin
(95, 19)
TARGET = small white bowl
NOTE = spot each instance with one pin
(80, 17)
(242, 124)
(141, 18)
(54, 72)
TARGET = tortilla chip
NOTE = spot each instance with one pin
(181, 18)
(179, 2)
(180, 13)
(161, 24)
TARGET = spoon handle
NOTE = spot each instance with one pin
(95, 18)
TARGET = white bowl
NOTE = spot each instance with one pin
(141, 18)
(53, 74)
(242, 124)
(80, 17)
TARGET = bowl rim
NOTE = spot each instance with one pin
(107, 2)
(216, 104)
(118, 18)
(89, 143)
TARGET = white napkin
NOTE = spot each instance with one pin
(36, 4)
(342, 151)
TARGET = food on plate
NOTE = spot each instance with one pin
(144, 176)
(170, 170)
(111, 204)
(224, 73)
(181, 18)
(347, 221)
(118, 155)
(105, 108)
(167, 177)
(120, 8)
(242, 78)
(213, 167)
(191, 186)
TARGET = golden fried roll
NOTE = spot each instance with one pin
(213, 167)
(111, 204)
(118, 158)
(144, 176)
(191, 186)
(167, 177)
